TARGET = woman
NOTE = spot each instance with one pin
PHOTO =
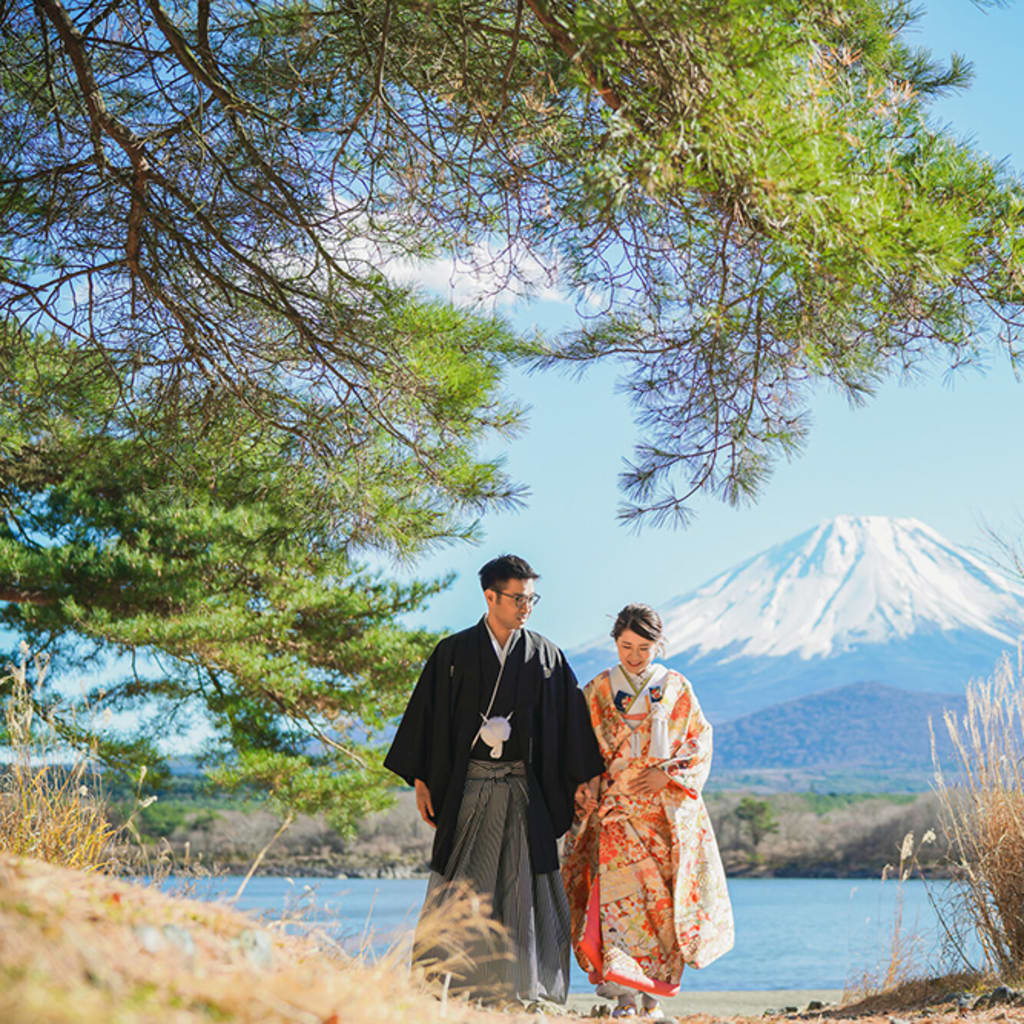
(646, 888)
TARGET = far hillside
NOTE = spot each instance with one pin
(863, 731)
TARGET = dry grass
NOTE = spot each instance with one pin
(982, 804)
(87, 948)
(48, 808)
(50, 814)
(459, 945)
(901, 960)
(913, 993)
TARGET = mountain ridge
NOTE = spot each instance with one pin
(859, 725)
(849, 600)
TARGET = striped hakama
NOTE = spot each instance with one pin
(530, 959)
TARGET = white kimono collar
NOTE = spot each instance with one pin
(628, 689)
(501, 652)
(625, 682)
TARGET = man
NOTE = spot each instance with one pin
(495, 740)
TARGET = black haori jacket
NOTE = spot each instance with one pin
(436, 733)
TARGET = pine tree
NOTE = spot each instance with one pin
(199, 534)
(744, 200)
(758, 816)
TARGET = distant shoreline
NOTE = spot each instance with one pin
(779, 835)
(399, 872)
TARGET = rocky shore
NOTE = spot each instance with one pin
(921, 1002)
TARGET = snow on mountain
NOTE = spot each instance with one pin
(846, 582)
(853, 599)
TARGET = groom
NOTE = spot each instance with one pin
(495, 740)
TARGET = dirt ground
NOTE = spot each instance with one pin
(995, 1015)
(776, 1007)
(721, 1005)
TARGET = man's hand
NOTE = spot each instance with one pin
(649, 782)
(423, 804)
(586, 795)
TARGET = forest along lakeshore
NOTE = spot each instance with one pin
(785, 834)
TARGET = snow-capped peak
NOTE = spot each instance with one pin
(849, 581)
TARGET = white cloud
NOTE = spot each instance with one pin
(485, 277)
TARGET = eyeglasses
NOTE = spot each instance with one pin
(521, 600)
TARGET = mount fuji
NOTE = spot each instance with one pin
(866, 599)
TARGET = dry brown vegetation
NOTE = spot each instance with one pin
(915, 994)
(49, 807)
(90, 949)
(982, 803)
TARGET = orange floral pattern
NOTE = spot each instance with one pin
(646, 888)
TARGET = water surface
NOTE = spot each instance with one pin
(800, 933)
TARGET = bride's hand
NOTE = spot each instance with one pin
(648, 782)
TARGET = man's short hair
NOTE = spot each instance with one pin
(505, 567)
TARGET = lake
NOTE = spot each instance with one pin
(821, 933)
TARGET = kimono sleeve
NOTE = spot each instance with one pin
(410, 754)
(691, 743)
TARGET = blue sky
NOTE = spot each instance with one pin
(947, 452)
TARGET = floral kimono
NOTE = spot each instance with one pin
(646, 888)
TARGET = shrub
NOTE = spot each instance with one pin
(162, 819)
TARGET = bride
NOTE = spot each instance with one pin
(646, 888)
